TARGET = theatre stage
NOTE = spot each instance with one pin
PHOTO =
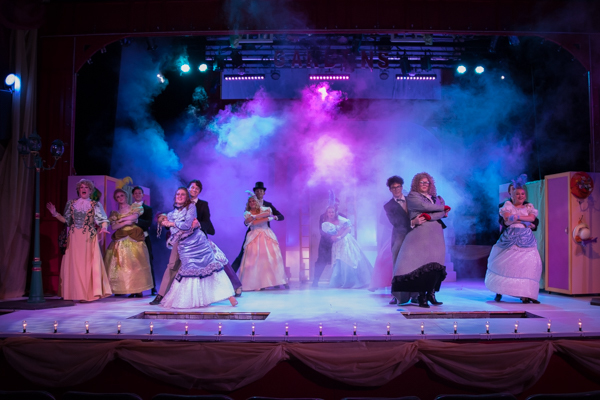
(303, 308)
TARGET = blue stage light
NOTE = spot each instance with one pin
(203, 67)
(479, 69)
(461, 69)
(185, 68)
(14, 81)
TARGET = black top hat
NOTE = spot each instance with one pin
(259, 185)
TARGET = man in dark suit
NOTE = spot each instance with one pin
(259, 191)
(397, 213)
(202, 221)
(144, 222)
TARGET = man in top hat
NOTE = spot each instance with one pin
(259, 191)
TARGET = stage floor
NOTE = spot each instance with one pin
(303, 308)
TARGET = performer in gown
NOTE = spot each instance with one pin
(82, 273)
(350, 267)
(201, 280)
(127, 260)
(420, 263)
(262, 263)
(514, 265)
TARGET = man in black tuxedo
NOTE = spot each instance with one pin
(259, 191)
(202, 221)
(397, 213)
(144, 222)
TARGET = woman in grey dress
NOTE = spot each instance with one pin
(420, 264)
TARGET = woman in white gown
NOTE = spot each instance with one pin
(350, 267)
(201, 279)
(514, 265)
(262, 264)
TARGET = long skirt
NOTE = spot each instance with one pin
(262, 264)
(82, 272)
(128, 266)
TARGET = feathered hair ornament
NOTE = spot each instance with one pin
(250, 194)
(520, 182)
(331, 199)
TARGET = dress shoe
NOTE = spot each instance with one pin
(156, 300)
(393, 301)
(535, 301)
(238, 292)
(525, 300)
(431, 298)
(423, 300)
(498, 297)
(153, 292)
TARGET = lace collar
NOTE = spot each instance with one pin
(82, 205)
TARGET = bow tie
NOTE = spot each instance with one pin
(400, 200)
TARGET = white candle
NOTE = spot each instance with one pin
(354, 329)
(487, 326)
(151, 327)
(219, 328)
(320, 329)
(388, 328)
(55, 326)
(253, 329)
(422, 328)
(186, 328)
(516, 326)
(549, 325)
(118, 327)
(24, 326)
(286, 329)
(455, 327)
(87, 327)
(580, 330)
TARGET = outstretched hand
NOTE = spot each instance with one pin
(51, 208)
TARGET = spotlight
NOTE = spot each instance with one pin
(185, 68)
(275, 75)
(461, 69)
(203, 67)
(13, 82)
(405, 64)
(479, 69)
(502, 77)
(384, 75)
(426, 62)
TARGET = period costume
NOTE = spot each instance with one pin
(350, 267)
(420, 263)
(514, 265)
(201, 279)
(262, 263)
(127, 260)
(324, 252)
(82, 274)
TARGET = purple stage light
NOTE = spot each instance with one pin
(254, 77)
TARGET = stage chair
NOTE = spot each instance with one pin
(25, 395)
(99, 396)
(383, 398)
(567, 396)
(493, 396)
(167, 396)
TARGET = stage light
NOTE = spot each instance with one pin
(354, 333)
(186, 328)
(236, 59)
(185, 68)
(422, 328)
(219, 329)
(487, 327)
(286, 329)
(13, 82)
(161, 78)
(118, 327)
(479, 69)
(253, 329)
(328, 77)
(461, 69)
(405, 64)
(430, 77)
(502, 77)
(549, 325)
(455, 328)
(87, 327)
(388, 328)
(426, 62)
(384, 75)
(514, 40)
(580, 327)
(24, 326)
(218, 63)
(516, 326)
(151, 327)
(251, 77)
(203, 67)
(275, 75)
(55, 327)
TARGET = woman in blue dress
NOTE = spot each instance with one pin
(201, 279)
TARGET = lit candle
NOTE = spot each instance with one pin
(219, 329)
(580, 330)
(320, 329)
(455, 327)
(388, 328)
(118, 327)
(516, 326)
(55, 326)
(354, 329)
(151, 327)
(422, 328)
(24, 326)
(549, 325)
(253, 329)
(286, 329)
(186, 328)
(87, 327)
(487, 326)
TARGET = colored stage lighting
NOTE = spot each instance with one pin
(329, 77)
(254, 77)
(203, 67)
(185, 68)
(13, 81)
(416, 78)
(461, 69)
(479, 69)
